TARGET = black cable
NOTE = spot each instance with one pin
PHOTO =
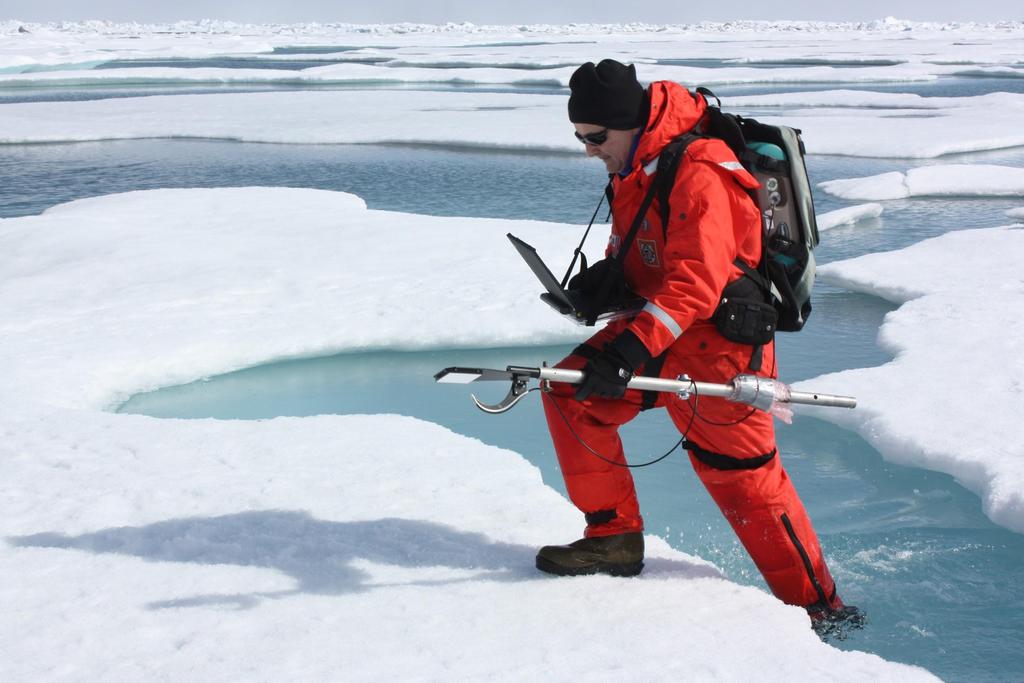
(694, 414)
(620, 464)
(579, 250)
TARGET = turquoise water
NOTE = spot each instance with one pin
(910, 546)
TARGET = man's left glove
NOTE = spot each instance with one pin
(608, 373)
(590, 279)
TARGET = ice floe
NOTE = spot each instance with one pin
(332, 74)
(532, 122)
(492, 120)
(522, 58)
(951, 397)
(895, 134)
(119, 267)
(849, 215)
(700, 53)
(379, 546)
(957, 180)
(882, 42)
(439, 72)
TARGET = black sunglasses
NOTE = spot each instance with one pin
(595, 139)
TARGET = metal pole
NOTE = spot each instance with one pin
(750, 389)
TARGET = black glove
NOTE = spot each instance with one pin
(608, 373)
(599, 285)
(589, 279)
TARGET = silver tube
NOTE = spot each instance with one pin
(749, 389)
(676, 386)
(815, 399)
(673, 386)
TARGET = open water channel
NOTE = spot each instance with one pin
(937, 579)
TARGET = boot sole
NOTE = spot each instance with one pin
(628, 569)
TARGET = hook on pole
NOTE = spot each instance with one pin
(515, 394)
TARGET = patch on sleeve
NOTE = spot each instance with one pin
(649, 252)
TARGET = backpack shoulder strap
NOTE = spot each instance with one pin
(664, 179)
(725, 127)
(668, 165)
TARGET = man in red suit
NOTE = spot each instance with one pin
(680, 268)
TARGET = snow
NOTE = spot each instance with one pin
(535, 122)
(850, 215)
(979, 180)
(383, 547)
(965, 44)
(316, 75)
(793, 49)
(521, 58)
(380, 546)
(51, 266)
(408, 71)
(489, 120)
(891, 102)
(905, 134)
(949, 400)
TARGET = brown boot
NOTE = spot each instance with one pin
(618, 555)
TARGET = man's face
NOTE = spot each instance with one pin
(614, 151)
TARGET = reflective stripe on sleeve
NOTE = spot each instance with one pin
(665, 319)
(731, 165)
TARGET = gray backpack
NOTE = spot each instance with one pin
(774, 155)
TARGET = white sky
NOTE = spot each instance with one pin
(523, 11)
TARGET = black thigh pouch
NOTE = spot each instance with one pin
(743, 316)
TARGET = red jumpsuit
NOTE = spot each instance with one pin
(681, 271)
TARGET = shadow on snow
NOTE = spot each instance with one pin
(320, 555)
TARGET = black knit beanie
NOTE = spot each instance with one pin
(608, 95)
